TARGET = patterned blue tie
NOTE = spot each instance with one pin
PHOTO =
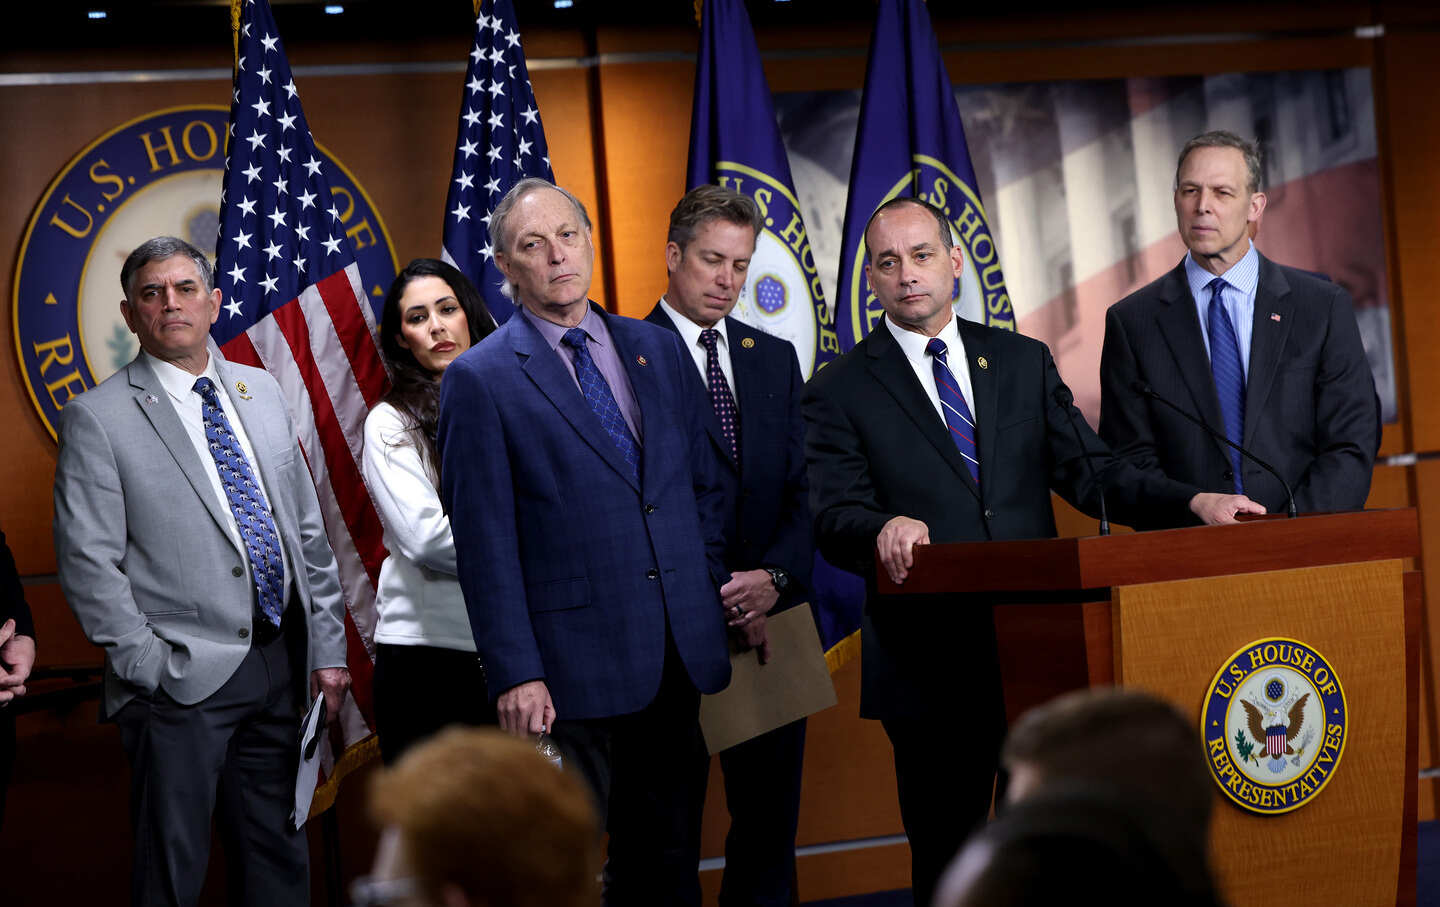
(957, 414)
(602, 401)
(720, 397)
(1229, 376)
(247, 503)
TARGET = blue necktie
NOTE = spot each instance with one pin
(720, 396)
(602, 401)
(1229, 376)
(247, 504)
(957, 414)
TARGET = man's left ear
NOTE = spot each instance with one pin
(1257, 205)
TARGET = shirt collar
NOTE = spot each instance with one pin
(592, 324)
(178, 383)
(689, 330)
(913, 344)
(1244, 275)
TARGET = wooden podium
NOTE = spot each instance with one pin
(1163, 611)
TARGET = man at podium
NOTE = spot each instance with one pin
(935, 429)
(1266, 356)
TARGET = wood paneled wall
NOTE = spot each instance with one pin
(618, 134)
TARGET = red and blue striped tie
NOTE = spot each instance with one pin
(957, 414)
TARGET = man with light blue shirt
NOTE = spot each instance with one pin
(1268, 356)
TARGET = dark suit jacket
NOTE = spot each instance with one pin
(571, 571)
(878, 449)
(1310, 404)
(769, 508)
(12, 594)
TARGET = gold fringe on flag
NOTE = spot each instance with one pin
(235, 32)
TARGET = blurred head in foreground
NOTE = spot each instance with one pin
(476, 818)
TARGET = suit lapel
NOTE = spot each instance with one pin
(542, 365)
(154, 402)
(890, 367)
(745, 368)
(1272, 298)
(985, 388)
(1180, 326)
(659, 317)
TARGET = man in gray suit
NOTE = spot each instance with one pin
(191, 549)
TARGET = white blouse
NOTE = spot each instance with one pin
(419, 600)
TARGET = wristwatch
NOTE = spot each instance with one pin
(779, 578)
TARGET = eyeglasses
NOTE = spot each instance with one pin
(367, 891)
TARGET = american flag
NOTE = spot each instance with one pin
(500, 142)
(295, 306)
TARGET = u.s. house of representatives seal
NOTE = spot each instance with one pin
(1274, 725)
(158, 174)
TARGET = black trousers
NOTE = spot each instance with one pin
(945, 774)
(233, 754)
(762, 793)
(648, 774)
(421, 689)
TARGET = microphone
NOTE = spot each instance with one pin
(1145, 390)
(1064, 399)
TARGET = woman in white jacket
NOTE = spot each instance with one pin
(427, 674)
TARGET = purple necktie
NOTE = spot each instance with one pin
(957, 413)
(720, 396)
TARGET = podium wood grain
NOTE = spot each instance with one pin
(1344, 845)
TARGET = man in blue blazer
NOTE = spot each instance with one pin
(752, 403)
(587, 515)
(1267, 355)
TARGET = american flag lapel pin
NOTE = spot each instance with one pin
(1274, 316)
(151, 399)
(642, 360)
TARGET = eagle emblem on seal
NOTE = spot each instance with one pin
(1276, 727)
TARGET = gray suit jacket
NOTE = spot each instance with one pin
(146, 561)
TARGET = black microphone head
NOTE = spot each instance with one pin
(1141, 388)
(1063, 396)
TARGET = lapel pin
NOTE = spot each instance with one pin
(982, 362)
(642, 360)
(243, 391)
(151, 399)
(748, 342)
(1274, 316)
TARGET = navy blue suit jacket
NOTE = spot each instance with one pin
(768, 497)
(1310, 404)
(571, 570)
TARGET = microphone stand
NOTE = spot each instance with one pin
(1064, 399)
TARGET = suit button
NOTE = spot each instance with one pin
(652, 573)
(237, 571)
(1229, 475)
(244, 634)
(989, 514)
(649, 508)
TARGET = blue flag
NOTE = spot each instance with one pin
(911, 142)
(734, 141)
(500, 142)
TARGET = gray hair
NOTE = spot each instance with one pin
(159, 249)
(709, 202)
(501, 235)
(1220, 138)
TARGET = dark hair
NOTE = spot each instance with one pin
(159, 249)
(414, 391)
(945, 242)
(709, 202)
(1122, 737)
(1220, 138)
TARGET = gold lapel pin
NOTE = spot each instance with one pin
(243, 390)
(982, 362)
(642, 360)
(748, 342)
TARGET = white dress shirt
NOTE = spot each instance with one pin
(180, 387)
(913, 345)
(418, 600)
(690, 334)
